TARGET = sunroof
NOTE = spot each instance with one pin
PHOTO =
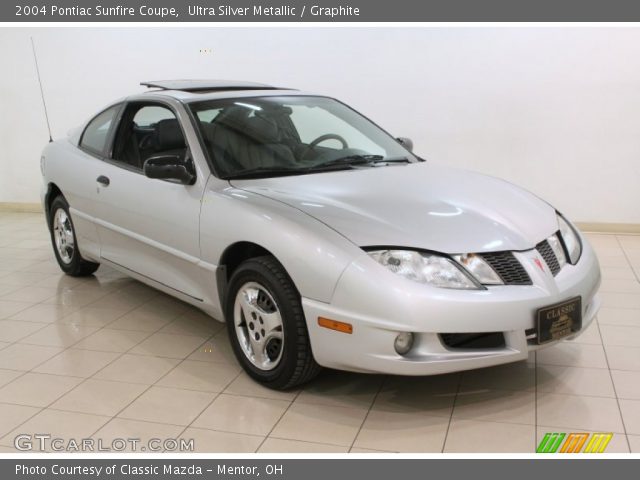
(206, 85)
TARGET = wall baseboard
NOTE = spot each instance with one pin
(599, 227)
(593, 227)
(20, 207)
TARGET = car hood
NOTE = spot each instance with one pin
(421, 205)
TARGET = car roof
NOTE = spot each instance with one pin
(190, 90)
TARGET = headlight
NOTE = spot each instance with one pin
(427, 268)
(571, 241)
(479, 268)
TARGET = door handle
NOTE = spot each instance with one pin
(102, 180)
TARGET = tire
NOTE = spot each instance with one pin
(64, 241)
(281, 357)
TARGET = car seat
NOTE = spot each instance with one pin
(240, 141)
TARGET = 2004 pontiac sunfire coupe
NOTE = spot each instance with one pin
(321, 239)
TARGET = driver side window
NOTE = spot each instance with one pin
(148, 130)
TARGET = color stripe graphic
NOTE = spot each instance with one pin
(559, 442)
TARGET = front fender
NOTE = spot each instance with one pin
(313, 254)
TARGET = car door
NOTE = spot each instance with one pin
(148, 226)
(77, 180)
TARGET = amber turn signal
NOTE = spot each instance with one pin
(335, 325)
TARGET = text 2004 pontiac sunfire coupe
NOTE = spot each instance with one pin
(321, 240)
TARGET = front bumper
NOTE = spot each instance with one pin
(379, 305)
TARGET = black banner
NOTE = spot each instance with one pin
(318, 469)
(220, 11)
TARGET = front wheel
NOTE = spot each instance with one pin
(63, 239)
(266, 325)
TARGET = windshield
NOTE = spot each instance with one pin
(290, 135)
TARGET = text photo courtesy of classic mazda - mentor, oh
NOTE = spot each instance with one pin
(320, 239)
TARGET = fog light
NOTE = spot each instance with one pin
(403, 343)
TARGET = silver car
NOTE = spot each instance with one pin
(320, 238)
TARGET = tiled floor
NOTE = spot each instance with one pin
(107, 357)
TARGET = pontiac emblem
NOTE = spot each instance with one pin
(538, 263)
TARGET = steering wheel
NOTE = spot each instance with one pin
(323, 138)
(329, 136)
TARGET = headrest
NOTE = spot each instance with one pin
(168, 135)
(262, 129)
(233, 117)
(274, 110)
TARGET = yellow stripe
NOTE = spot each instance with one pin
(598, 442)
(607, 438)
(593, 443)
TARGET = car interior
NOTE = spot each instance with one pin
(237, 138)
(137, 141)
(240, 138)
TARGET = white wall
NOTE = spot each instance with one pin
(555, 110)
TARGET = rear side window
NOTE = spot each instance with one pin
(96, 134)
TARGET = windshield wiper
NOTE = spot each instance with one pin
(393, 160)
(283, 171)
(349, 160)
(262, 172)
(360, 160)
(342, 163)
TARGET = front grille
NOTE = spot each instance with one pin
(508, 268)
(482, 340)
(546, 251)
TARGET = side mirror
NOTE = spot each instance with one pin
(406, 143)
(169, 167)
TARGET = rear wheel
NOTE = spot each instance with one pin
(266, 325)
(63, 239)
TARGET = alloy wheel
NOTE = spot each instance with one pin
(258, 325)
(63, 236)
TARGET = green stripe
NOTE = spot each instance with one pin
(558, 442)
(543, 443)
(550, 443)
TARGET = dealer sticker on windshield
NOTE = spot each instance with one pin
(559, 320)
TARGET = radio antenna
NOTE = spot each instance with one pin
(44, 104)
